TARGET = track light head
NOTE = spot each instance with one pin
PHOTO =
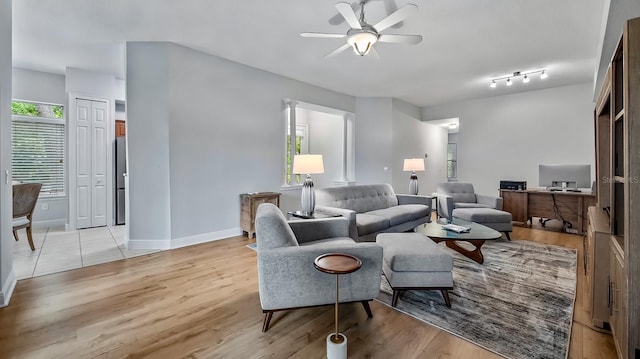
(525, 79)
(493, 84)
(509, 83)
(543, 75)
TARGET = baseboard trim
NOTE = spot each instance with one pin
(164, 244)
(205, 237)
(148, 244)
(61, 222)
(7, 289)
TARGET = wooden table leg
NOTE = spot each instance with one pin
(474, 254)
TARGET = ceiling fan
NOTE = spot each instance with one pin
(362, 36)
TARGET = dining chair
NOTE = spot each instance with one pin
(25, 196)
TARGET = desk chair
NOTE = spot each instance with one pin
(25, 197)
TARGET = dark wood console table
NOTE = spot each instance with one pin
(568, 206)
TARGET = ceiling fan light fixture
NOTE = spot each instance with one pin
(361, 41)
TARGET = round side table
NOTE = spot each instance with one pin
(337, 263)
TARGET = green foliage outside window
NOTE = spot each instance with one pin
(289, 160)
(36, 110)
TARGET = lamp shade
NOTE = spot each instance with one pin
(307, 164)
(413, 164)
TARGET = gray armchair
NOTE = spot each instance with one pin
(452, 195)
(287, 278)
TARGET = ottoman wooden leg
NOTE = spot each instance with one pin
(367, 308)
(445, 294)
(396, 295)
(507, 235)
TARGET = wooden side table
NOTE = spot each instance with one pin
(249, 203)
(337, 263)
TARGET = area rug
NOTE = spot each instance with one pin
(518, 304)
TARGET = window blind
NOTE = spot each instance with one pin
(37, 155)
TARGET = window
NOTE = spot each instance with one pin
(452, 162)
(318, 130)
(302, 147)
(37, 145)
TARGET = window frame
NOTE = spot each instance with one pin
(50, 121)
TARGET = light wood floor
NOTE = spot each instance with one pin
(202, 302)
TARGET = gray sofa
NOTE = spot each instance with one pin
(287, 278)
(373, 209)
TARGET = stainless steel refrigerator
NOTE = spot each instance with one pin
(121, 169)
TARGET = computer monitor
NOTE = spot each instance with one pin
(572, 176)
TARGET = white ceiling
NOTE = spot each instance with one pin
(465, 42)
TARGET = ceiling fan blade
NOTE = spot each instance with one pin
(401, 39)
(337, 51)
(319, 34)
(402, 13)
(349, 15)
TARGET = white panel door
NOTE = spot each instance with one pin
(83, 164)
(91, 163)
(99, 164)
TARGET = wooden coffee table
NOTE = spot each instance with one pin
(476, 236)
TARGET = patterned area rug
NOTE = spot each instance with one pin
(518, 304)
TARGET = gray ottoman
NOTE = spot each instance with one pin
(492, 218)
(412, 261)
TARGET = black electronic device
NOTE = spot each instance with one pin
(513, 185)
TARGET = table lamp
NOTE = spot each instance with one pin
(307, 164)
(413, 165)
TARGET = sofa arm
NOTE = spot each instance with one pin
(348, 214)
(308, 230)
(445, 205)
(287, 277)
(492, 201)
(414, 199)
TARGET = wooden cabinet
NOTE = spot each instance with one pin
(515, 202)
(617, 128)
(597, 254)
(121, 129)
(618, 299)
(249, 203)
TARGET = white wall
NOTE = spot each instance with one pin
(38, 86)
(225, 137)
(45, 87)
(326, 139)
(507, 137)
(7, 275)
(148, 144)
(413, 138)
(373, 140)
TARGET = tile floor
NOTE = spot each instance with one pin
(58, 251)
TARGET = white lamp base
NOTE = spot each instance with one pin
(307, 196)
(413, 184)
(336, 350)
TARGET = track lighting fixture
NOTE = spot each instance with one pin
(524, 74)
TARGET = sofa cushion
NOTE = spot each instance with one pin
(329, 242)
(361, 199)
(402, 214)
(369, 223)
(469, 205)
(272, 228)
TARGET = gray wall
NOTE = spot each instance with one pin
(413, 138)
(507, 137)
(7, 276)
(373, 140)
(619, 12)
(223, 136)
